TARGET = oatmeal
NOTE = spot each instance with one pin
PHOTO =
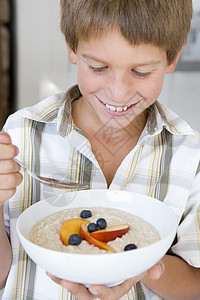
(46, 233)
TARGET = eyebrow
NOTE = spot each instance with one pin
(91, 57)
(96, 59)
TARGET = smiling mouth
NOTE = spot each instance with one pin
(116, 108)
(119, 109)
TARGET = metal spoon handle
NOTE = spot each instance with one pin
(26, 169)
(53, 182)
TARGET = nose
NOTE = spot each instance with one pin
(119, 88)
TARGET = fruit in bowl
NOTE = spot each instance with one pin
(70, 227)
(74, 230)
(71, 265)
(85, 235)
(111, 233)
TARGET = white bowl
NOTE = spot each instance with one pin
(108, 269)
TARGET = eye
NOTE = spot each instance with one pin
(100, 69)
(141, 74)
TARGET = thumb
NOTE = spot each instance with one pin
(156, 271)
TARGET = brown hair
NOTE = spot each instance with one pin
(163, 23)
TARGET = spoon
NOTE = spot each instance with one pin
(51, 181)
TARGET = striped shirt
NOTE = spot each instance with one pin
(164, 164)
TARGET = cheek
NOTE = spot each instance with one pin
(87, 81)
(152, 88)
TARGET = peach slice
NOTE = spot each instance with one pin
(69, 227)
(85, 235)
(110, 233)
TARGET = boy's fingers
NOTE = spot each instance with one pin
(79, 291)
(5, 138)
(7, 149)
(116, 292)
(10, 181)
(156, 271)
(9, 166)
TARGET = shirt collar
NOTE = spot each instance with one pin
(161, 117)
(65, 123)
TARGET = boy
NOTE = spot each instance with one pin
(110, 132)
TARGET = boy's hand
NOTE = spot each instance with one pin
(80, 292)
(10, 177)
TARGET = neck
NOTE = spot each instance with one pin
(91, 125)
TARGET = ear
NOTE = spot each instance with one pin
(171, 68)
(71, 55)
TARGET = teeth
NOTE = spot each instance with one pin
(112, 108)
(119, 108)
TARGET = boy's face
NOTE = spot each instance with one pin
(117, 80)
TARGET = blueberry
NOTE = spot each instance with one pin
(130, 247)
(74, 239)
(92, 227)
(101, 223)
(85, 214)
